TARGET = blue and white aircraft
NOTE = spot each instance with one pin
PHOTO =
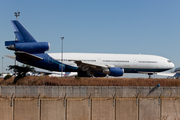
(31, 52)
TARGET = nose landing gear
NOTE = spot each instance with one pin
(150, 75)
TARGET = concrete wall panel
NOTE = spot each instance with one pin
(5, 110)
(126, 92)
(90, 91)
(40, 90)
(48, 91)
(0, 92)
(174, 91)
(126, 109)
(105, 92)
(119, 91)
(62, 91)
(159, 92)
(178, 92)
(19, 91)
(52, 110)
(112, 90)
(26, 91)
(103, 109)
(76, 91)
(153, 92)
(134, 92)
(166, 92)
(97, 91)
(83, 91)
(7, 91)
(69, 91)
(26, 109)
(55, 91)
(78, 109)
(149, 109)
(33, 91)
(170, 109)
(145, 92)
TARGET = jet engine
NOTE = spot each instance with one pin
(114, 71)
(31, 47)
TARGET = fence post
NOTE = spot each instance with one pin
(12, 105)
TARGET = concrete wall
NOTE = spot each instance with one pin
(89, 103)
(6, 111)
(78, 109)
(26, 109)
(52, 110)
(86, 91)
(126, 109)
(171, 109)
(103, 109)
(90, 109)
(149, 109)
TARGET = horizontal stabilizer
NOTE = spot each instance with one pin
(11, 56)
(24, 56)
(7, 43)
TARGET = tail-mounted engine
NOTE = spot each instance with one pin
(31, 47)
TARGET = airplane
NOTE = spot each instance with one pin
(31, 52)
(172, 75)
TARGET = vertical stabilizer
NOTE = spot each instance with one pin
(21, 33)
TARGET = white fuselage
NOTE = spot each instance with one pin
(126, 61)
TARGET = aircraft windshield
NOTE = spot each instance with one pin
(169, 61)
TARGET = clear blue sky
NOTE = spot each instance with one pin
(97, 26)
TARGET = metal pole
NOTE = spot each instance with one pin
(62, 58)
(43, 79)
(2, 64)
(17, 14)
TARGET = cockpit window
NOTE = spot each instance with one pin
(169, 61)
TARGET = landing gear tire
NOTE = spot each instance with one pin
(84, 74)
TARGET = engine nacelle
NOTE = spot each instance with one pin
(32, 47)
(114, 71)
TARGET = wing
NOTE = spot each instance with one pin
(85, 66)
(11, 56)
(58, 74)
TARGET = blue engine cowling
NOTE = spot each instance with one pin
(114, 71)
(31, 47)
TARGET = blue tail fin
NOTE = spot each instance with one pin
(21, 33)
(25, 42)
